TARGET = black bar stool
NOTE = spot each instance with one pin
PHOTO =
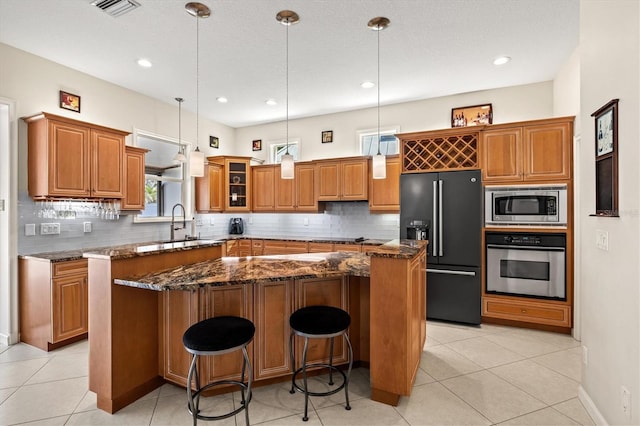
(319, 322)
(217, 336)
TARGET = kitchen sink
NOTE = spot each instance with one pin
(166, 245)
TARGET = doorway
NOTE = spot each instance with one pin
(8, 223)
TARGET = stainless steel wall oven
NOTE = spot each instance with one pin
(526, 264)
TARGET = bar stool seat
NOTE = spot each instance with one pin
(217, 336)
(319, 322)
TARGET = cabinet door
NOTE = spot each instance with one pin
(417, 316)
(263, 197)
(107, 169)
(179, 312)
(305, 183)
(210, 189)
(285, 192)
(134, 179)
(354, 179)
(547, 152)
(234, 300)
(328, 181)
(238, 185)
(501, 155)
(273, 304)
(322, 291)
(321, 247)
(384, 194)
(70, 306)
(68, 160)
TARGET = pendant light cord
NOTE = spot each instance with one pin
(287, 90)
(378, 90)
(197, 80)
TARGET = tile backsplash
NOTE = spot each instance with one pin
(339, 220)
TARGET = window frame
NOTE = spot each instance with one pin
(387, 130)
(274, 145)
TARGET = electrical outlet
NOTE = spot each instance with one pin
(49, 228)
(86, 227)
(212, 221)
(250, 220)
(625, 399)
(602, 239)
(585, 355)
(198, 222)
(305, 221)
(30, 229)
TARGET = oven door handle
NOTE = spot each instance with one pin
(501, 247)
(451, 272)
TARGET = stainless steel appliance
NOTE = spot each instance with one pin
(526, 205)
(236, 225)
(449, 206)
(526, 264)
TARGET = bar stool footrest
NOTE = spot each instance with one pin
(327, 393)
(242, 385)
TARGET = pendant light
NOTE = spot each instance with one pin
(379, 162)
(179, 158)
(196, 162)
(287, 18)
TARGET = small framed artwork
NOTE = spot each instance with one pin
(214, 142)
(606, 152)
(257, 145)
(474, 115)
(327, 136)
(69, 101)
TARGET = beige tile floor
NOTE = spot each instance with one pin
(468, 376)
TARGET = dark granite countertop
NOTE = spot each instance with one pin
(334, 240)
(253, 269)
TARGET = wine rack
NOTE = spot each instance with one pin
(432, 151)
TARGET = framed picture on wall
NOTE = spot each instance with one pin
(256, 145)
(69, 101)
(606, 153)
(474, 115)
(327, 136)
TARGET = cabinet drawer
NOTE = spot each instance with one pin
(69, 268)
(257, 247)
(529, 311)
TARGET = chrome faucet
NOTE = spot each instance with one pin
(173, 220)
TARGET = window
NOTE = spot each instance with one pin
(165, 182)
(369, 141)
(278, 149)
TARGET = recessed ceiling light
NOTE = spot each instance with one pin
(501, 60)
(144, 63)
(222, 99)
(271, 102)
(367, 84)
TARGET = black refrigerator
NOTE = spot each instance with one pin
(446, 208)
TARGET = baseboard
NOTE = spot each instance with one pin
(8, 339)
(591, 408)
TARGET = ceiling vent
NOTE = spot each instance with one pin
(116, 8)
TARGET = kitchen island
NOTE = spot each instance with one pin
(140, 303)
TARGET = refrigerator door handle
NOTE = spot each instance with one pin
(451, 272)
(434, 236)
(440, 236)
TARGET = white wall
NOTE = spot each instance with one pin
(609, 68)
(516, 103)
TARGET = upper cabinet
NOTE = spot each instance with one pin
(538, 150)
(226, 185)
(272, 193)
(305, 187)
(440, 150)
(344, 179)
(384, 194)
(134, 194)
(210, 189)
(73, 159)
(263, 196)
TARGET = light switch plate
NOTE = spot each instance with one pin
(86, 227)
(49, 228)
(602, 239)
(30, 229)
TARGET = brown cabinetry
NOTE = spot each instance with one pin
(210, 189)
(134, 195)
(342, 179)
(239, 248)
(272, 193)
(53, 302)
(237, 184)
(440, 150)
(384, 194)
(73, 159)
(530, 151)
(305, 187)
(263, 181)
(284, 247)
(528, 311)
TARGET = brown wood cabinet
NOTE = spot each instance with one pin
(440, 150)
(134, 194)
(538, 150)
(284, 247)
(272, 193)
(384, 194)
(74, 159)
(305, 187)
(273, 307)
(527, 310)
(321, 247)
(53, 302)
(343, 179)
(322, 291)
(400, 283)
(237, 184)
(210, 189)
(263, 182)
(239, 248)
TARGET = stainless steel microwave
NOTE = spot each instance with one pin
(544, 205)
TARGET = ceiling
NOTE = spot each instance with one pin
(432, 48)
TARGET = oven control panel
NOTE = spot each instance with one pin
(526, 239)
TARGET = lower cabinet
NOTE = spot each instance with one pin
(284, 247)
(529, 311)
(53, 301)
(239, 248)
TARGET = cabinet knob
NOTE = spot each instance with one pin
(524, 311)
